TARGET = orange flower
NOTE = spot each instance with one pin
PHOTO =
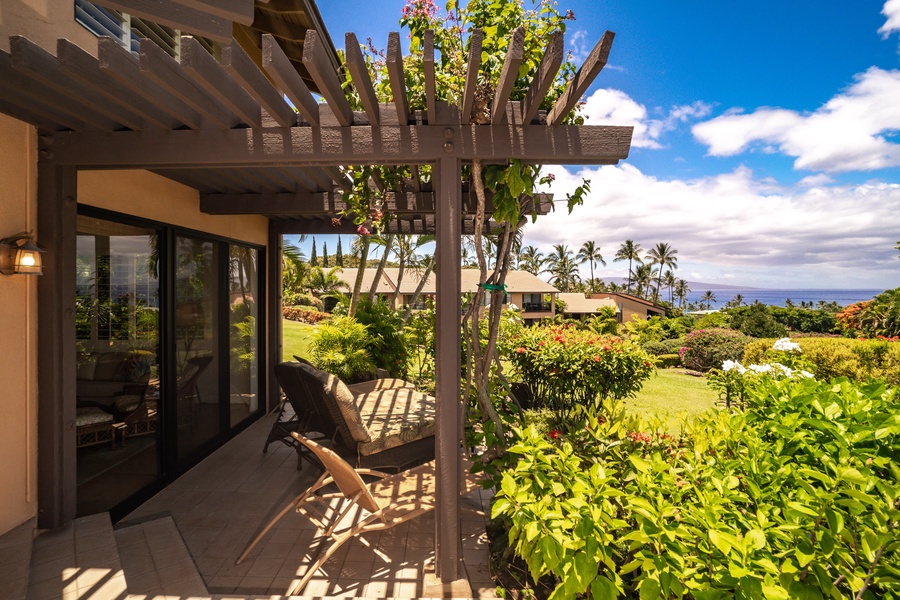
(520, 350)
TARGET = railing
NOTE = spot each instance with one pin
(536, 307)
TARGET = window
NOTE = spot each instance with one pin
(129, 29)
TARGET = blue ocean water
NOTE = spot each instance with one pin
(778, 297)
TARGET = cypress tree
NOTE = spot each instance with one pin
(325, 255)
(339, 256)
(313, 260)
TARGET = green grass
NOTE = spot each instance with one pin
(296, 338)
(671, 395)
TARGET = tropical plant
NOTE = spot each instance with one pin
(681, 291)
(325, 284)
(632, 253)
(670, 281)
(706, 349)
(385, 339)
(881, 316)
(643, 279)
(341, 347)
(590, 253)
(709, 297)
(664, 256)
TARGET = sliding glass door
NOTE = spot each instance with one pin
(169, 325)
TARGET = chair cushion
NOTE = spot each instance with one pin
(127, 403)
(345, 401)
(373, 385)
(394, 417)
(89, 415)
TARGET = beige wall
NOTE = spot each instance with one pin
(18, 331)
(145, 194)
(42, 22)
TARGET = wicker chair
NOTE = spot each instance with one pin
(382, 423)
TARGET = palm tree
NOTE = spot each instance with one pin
(406, 251)
(681, 291)
(631, 252)
(738, 300)
(325, 284)
(708, 297)
(643, 279)
(590, 253)
(363, 254)
(663, 255)
(294, 270)
(562, 267)
(668, 280)
(532, 260)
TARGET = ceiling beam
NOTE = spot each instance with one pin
(282, 71)
(215, 81)
(242, 68)
(239, 11)
(334, 146)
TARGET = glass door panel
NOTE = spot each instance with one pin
(243, 281)
(196, 402)
(117, 370)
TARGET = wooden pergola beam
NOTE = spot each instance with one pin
(333, 146)
(468, 99)
(428, 68)
(397, 78)
(239, 11)
(215, 81)
(508, 75)
(242, 68)
(584, 77)
(544, 77)
(124, 68)
(362, 81)
(279, 67)
(315, 59)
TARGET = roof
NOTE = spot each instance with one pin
(632, 298)
(517, 282)
(348, 276)
(577, 303)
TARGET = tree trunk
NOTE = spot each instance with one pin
(360, 273)
(415, 298)
(388, 243)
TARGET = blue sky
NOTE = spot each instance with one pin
(767, 136)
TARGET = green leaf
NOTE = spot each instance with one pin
(603, 588)
(585, 570)
(835, 520)
(756, 539)
(851, 475)
(650, 590)
(772, 592)
(639, 463)
(719, 541)
(801, 591)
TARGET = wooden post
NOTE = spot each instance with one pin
(448, 177)
(273, 315)
(57, 214)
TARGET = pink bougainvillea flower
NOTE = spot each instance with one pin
(361, 230)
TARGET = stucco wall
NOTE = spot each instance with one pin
(145, 194)
(18, 331)
(42, 22)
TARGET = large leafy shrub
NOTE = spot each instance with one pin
(881, 315)
(386, 341)
(828, 358)
(796, 497)
(563, 366)
(706, 349)
(340, 347)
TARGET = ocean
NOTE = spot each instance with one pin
(778, 297)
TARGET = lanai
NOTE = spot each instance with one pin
(224, 128)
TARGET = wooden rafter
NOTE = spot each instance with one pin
(397, 78)
(579, 84)
(242, 69)
(362, 81)
(178, 15)
(508, 75)
(279, 68)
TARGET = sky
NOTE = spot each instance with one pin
(766, 145)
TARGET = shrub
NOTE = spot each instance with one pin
(668, 361)
(303, 315)
(881, 316)
(563, 366)
(341, 347)
(858, 360)
(706, 349)
(661, 347)
(386, 341)
(756, 321)
(797, 497)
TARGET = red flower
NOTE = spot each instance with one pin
(647, 363)
(520, 350)
(554, 435)
(596, 358)
(361, 230)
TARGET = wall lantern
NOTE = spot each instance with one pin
(19, 254)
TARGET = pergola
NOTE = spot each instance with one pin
(225, 129)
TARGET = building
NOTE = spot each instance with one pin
(533, 296)
(578, 305)
(629, 306)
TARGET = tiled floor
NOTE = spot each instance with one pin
(221, 504)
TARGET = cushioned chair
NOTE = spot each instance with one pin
(381, 423)
(93, 426)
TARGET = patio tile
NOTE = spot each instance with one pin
(225, 584)
(254, 585)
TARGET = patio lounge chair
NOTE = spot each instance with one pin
(383, 424)
(389, 501)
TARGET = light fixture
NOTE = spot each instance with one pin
(19, 254)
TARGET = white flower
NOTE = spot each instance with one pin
(806, 374)
(786, 371)
(786, 345)
(760, 368)
(728, 365)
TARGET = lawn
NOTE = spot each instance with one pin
(671, 394)
(296, 338)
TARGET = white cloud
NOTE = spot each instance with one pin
(732, 223)
(851, 132)
(891, 10)
(615, 107)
